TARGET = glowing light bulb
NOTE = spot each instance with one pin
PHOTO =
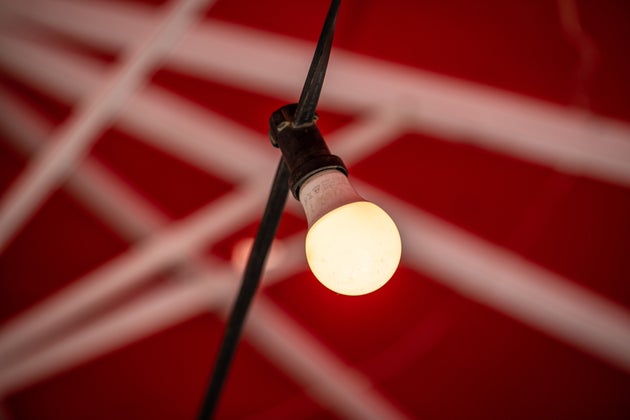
(352, 247)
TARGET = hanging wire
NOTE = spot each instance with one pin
(304, 114)
(251, 280)
(307, 104)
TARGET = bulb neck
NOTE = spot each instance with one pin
(303, 148)
(324, 192)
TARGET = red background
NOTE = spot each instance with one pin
(425, 348)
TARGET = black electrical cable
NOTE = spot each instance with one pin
(304, 115)
(315, 79)
(251, 280)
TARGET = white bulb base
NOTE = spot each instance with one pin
(324, 192)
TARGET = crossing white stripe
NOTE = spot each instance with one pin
(73, 138)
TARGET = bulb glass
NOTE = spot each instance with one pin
(354, 249)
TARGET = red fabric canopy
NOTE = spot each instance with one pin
(134, 167)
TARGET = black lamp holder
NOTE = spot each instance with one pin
(303, 148)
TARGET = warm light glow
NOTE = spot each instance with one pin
(242, 249)
(353, 247)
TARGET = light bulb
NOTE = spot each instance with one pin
(352, 246)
